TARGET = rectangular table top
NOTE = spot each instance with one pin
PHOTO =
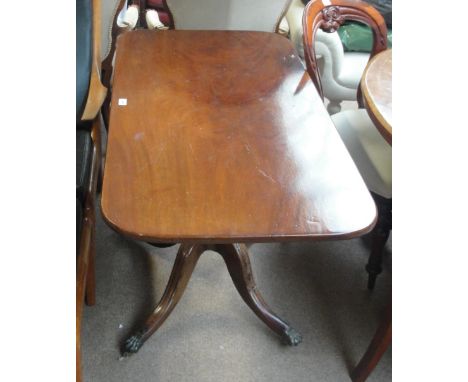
(212, 138)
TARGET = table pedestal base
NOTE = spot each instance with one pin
(237, 261)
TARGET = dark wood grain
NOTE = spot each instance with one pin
(85, 267)
(376, 86)
(85, 273)
(116, 30)
(329, 17)
(237, 261)
(184, 265)
(380, 235)
(376, 349)
(97, 92)
(217, 144)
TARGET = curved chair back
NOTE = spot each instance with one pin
(258, 15)
(329, 15)
(90, 93)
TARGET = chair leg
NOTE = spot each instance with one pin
(334, 107)
(380, 235)
(90, 211)
(376, 349)
(100, 177)
(90, 296)
(82, 268)
(78, 351)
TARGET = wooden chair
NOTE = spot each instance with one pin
(340, 71)
(369, 150)
(90, 94)
(379, 344)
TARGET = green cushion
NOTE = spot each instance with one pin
(357, 37)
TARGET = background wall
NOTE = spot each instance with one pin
(227, 14)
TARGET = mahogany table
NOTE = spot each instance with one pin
(214, 142)
(376, 86)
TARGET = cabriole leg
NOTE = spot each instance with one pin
(184, 264)
(237, 260)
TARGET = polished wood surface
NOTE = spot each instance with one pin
(217, 144)
(329, 16)
(85, 266)
(115, 31)
(97, 92)
(85, 275)
(376, 85)
(237, 261)
(108, 62)
(379, 344)
(379, 235)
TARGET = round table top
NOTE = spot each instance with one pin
(376, 86)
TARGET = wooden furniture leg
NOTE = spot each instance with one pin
(78, 351)
(376, 349)
(237, 261)
(184, 265)
(90, 212)
(82, 275)
(380, 235)
(100, 176)
(90, 290)
(79, 311)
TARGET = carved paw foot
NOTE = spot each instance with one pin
(292, 337)
(132, 345)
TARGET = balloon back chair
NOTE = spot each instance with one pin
(369, 150)
(340, 71)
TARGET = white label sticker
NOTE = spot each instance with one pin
(326, 2)
(122, 102)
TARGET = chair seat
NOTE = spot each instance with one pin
(352, 68)
(84, 153)
(369, 150)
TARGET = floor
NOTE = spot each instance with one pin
(320, 288)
